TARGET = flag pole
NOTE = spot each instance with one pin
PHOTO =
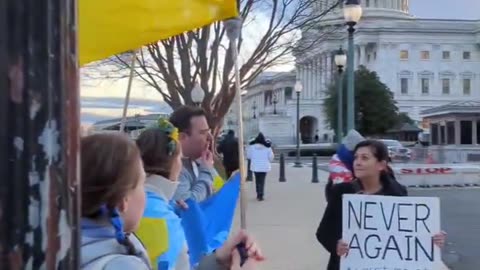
(233, 28)
(129, 89)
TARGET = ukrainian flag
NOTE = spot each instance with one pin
(108, 27)
(161, 233)
(207, 224)
(218, 181)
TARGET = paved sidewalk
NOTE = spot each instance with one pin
(285, 223)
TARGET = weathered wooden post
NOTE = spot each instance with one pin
(39, 138)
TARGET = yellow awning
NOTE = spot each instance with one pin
(109, 27)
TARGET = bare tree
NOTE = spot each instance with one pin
(173, 66)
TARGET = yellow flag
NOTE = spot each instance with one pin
(218, 183)
(108, 27)
(153, 232)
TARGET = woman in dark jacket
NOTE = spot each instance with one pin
(372, 177)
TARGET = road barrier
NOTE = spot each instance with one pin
(282, 169)
(437, 175)
(314, 169)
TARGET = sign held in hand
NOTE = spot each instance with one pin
(390, 233)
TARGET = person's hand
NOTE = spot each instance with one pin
(224, 253)
(182, 204)
(207, 158)
(249, 264)
(342, 248)
(439, 239)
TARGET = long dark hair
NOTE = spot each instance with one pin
(260, 139)
(379, 151)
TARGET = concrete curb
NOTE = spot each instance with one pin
(444, 186)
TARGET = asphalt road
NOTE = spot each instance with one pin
(460, 218)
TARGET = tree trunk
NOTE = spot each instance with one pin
(39, 138)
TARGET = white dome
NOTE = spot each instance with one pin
(393, 5)
(394, 9)
(399, 5)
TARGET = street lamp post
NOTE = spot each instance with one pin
(340, 61)
(197, 95)
(298, 90)
(352, 12)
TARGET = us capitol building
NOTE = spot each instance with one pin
(425, 62)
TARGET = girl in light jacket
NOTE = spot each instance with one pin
(113, 201)
(261, 155)
(162, 159)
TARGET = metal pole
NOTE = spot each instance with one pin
(340, 128)
(39, 140)
(351, 79)
(129, 89)
(298, 164)
(233, 28)
(314, 169)
(282, 169)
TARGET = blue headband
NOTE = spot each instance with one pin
(116, 221)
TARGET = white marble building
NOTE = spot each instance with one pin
(268, 107)
(425, 62)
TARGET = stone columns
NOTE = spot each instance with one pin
(474, 132)
(318, 87)
(314, 77)
(309, 72)
(439, 132)
(321, 86)
(363, 55)
(329, 68)
(458, 133)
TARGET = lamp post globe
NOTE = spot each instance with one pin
(340, 59)
(197, 94)
(352, 12)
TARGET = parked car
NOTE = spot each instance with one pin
(397, 151)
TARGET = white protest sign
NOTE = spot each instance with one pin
(390, 233)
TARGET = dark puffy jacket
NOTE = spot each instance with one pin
(330, 229)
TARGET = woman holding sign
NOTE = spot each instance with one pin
(373, 176)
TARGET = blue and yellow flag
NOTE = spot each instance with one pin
(161, 233)
(108, 27)
(207, 224)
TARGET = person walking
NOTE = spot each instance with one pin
(228, 147)
(261, 156)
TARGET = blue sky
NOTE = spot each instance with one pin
(104, 100)
(446, 9)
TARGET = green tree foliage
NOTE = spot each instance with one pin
(375, 107)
